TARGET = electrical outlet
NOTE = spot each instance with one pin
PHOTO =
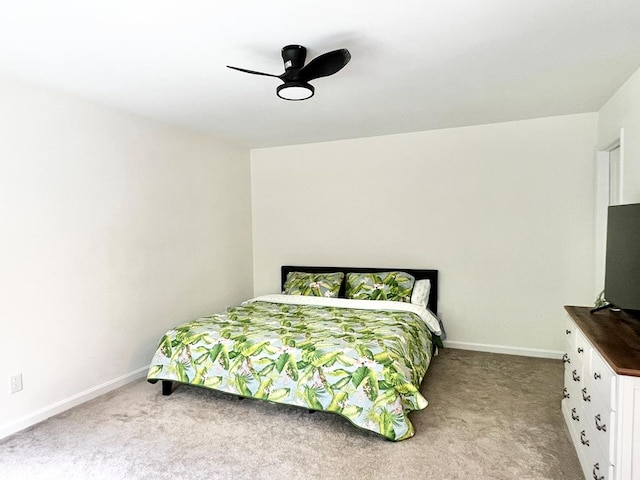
(16, 383)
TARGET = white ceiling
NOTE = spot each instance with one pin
(416, 64)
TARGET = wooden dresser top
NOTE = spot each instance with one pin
(615, 334)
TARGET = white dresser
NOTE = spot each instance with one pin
(601, 400)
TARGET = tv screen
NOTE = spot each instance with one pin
(622, 268)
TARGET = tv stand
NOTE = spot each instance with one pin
(604, 307)
(601, 403)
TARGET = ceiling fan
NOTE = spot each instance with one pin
(297, 75)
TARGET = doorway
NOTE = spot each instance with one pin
(609, 174)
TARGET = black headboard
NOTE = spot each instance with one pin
(418, 274)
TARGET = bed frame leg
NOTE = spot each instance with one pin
(167, 387)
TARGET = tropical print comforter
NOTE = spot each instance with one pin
(361, 359)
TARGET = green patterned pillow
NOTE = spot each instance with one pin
(396, 286)
(313, 284)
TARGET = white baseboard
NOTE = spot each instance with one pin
(59, 407)
(525, 352)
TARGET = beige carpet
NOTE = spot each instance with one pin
(490, 417)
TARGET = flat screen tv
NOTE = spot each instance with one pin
(622, 268)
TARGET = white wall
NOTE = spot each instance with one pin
(504, 211)
(114, 229)
(623, 111)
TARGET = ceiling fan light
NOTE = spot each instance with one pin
(295, 91)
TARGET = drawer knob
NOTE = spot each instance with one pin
(565, 393)
(574, 415)
(580, 349)
(567, 331)
(576, 377)
(597, 376)
(603, 427)
(585, 397)
(596, 469)
(583, 434)
(565, 358)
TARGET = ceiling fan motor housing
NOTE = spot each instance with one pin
(294, 56)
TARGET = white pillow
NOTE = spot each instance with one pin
(420, 293)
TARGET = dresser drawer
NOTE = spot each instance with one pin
(597, 467)
(600, 424)
(573, 375)
(570, 330)
(601, 380)
(572, 418)
(576, 418)
(582, 349)
(594, 460)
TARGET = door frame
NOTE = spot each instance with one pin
(602, 201)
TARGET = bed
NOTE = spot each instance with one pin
(353, 341)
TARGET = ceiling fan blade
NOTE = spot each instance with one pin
(252, 72)
(325, 65)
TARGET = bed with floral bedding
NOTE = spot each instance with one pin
(356, 343)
